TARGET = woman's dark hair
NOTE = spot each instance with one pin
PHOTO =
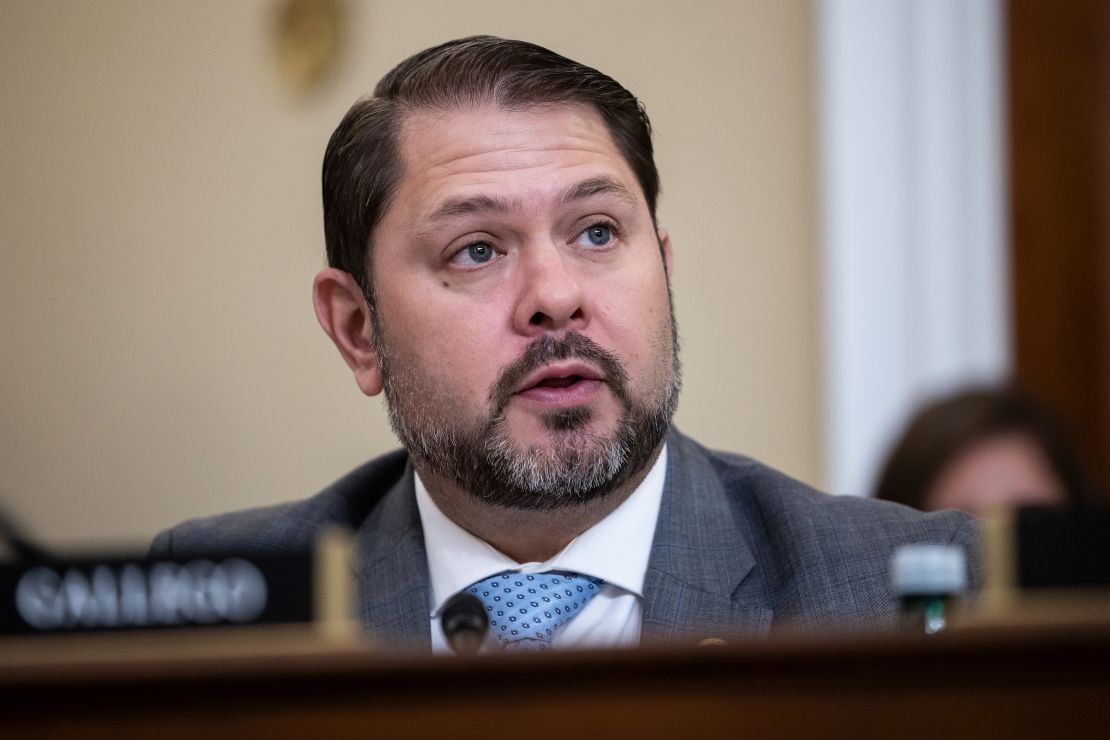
(362, 165)
(945, 428)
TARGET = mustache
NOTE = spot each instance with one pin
(547, 349)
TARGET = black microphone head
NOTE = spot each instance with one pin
(465, 623)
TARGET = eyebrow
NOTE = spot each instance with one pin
(456, 207)
(476, 204)
(597, 186)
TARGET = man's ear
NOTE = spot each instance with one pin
(342, 312)
(665, 248)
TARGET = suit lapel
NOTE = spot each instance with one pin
(392, 570)
(702, 580)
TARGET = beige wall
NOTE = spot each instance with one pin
(160, 218)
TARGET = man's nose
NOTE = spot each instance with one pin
(552, 295)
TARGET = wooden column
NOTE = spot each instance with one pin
(1059, 111)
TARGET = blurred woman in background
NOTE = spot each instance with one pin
(982, 448)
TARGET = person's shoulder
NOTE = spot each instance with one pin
(806, 536)
(286, 527)
(780, 496)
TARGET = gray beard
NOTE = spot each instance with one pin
(480, 459)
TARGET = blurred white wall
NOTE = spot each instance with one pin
(160, 226)
(913, 216)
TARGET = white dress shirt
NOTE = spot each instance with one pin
(616, 550)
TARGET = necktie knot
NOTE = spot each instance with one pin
(526, 609)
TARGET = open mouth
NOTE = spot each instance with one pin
(561, 382)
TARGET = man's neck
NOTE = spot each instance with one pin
(527, 535)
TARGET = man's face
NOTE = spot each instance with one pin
(523, 324)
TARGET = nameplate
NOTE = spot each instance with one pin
(221, 589)
(1062, 548)
(1044, 566)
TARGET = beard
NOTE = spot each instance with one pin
(575, 467)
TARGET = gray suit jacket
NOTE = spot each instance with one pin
(738, 548)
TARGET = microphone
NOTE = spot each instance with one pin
(465, 623)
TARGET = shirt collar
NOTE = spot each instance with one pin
(616, 549)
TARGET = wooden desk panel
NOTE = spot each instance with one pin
(1013, 683)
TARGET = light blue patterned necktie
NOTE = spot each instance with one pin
(526, 609)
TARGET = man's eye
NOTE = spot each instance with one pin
(474, 254)
(598, 235)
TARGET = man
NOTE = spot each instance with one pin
(497, 270)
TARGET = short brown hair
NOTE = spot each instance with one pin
(362, 166)
(948, 426)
